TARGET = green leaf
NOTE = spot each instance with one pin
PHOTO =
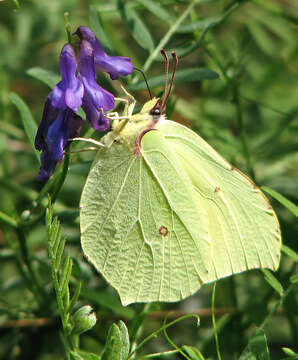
(48, 77)
(193, 352)
(258, 345)
(136, 26)
(125, 340)
(289, 252)
(282, 199)
(113, 347)
(98, 28)
(6, 219)
(156, 9)
(83, 355)
(182, 76)
(199, 25)
(290, 352)
(29, 124)
(273, 282)
(294, 279)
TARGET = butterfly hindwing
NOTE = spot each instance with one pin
(242, 225)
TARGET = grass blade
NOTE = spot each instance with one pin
(29, 124)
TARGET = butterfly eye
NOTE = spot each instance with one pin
(155, 112)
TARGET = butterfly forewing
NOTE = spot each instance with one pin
(137, 224)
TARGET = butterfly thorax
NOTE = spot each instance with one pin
(127, 131)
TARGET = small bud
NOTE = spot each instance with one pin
(83, 320)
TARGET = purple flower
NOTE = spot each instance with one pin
(78, 87)
(55, 129)
(96, 100)
(114, 65)
(69, 91)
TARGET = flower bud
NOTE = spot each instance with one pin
(83, 320)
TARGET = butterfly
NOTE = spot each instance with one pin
(162, 213)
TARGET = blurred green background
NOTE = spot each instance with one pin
(249, 114)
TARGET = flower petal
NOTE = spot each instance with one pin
(68, 92)
(96, 99)
(49, 115)
(114, 65)
(53, 134)
(95, 117)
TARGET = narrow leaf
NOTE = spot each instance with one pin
(66, 299)
(136, 26)
(125, 340)
(273, 282)
(57, 241)
(289, 352)
(294, 279)
(201, 24)
(66, 278)
(65, 269)
(6, 219)
(156, 9)
(29, 124)
(48, 77)
(53, 229)
(182, 76)
(290, 253)
(59, 253)
(282, 199)
(193, 352)
(84, 355)
(113, 345)
(258, 345)
(75, 296)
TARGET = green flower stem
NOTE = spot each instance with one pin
(214, 323)
(6, 219)
(154, 335)
(171, 342)
(167, 37)
(62, 177)
(272, 313)
(57, 183)
(67, 26)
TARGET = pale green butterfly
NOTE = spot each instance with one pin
(163, 213)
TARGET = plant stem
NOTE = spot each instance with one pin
(214, 322)
(272, 312)
(62, 177)
(167, 37)
(67, 26)
(153, 335)
(25, 256)
(6, 219)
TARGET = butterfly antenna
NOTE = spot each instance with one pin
(175, 65)
(167, 63)
(145, 79)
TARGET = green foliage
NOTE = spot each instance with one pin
(248, 114)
